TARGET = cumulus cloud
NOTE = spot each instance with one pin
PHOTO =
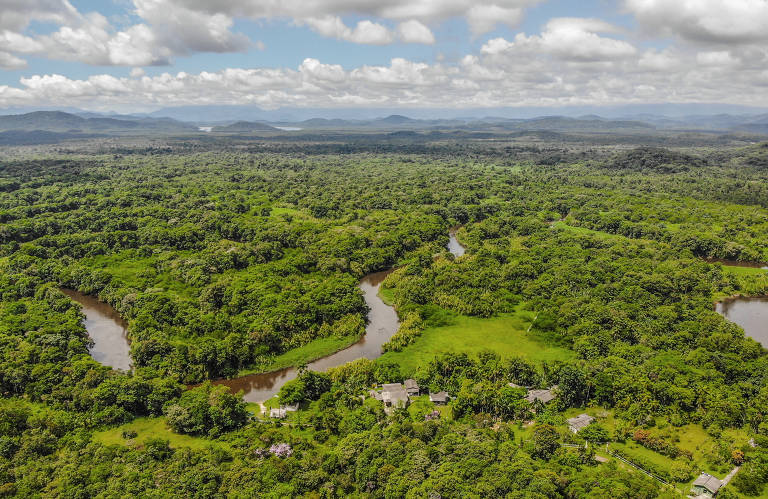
(483, 18)
(719, 54)
(575, 39)
(414, 32)
(90, 38)
(715, 21)
(9, 61)
(397, 10)
(499, 76)
(17, 14)
(366, 32)
(187, 30)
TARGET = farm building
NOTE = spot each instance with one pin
(394, 395)
(706, 486)
(278, 413)
(439, 398)
(543, 396)
(412, 388)
(579, 422)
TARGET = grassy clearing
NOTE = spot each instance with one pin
(746, 271)
(138, 272)
(147, 428)
(634, 449)
(421, 405)
(505, 335)
(313, 350)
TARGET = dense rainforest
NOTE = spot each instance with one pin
(590, 269)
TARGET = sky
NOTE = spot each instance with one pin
(141, 55)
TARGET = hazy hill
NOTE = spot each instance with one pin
(245, 126)
(58, 121)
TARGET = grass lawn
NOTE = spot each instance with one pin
(505, 335)
(152, 428)
(746, 271)
(313, 350)
(634, 449)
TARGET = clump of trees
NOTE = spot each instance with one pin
(206, 410)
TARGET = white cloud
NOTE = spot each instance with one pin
(573, 39)
(716, 58)
(313, 68)
(17, 14)
(137, 73)
(495, 78)
(90, 38)
(9, 61)
(187, 30)
(712, 21)
(366, 32)
(414, 32)
(654, 60)
(484, 18)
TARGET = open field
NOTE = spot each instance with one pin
(147, 428)
(505, 335)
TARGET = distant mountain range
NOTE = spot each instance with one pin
(51, 126)
(58, 121)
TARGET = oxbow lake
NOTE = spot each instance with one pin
(749, 313)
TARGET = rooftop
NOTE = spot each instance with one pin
(709, 482)
(579, 422)
(438, 397)
(541, 395)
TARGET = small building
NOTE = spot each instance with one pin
(439, 398)
(278, 413)
(580, 422)
(706, 486)
(412, 388)
(543, 396)
(376, 395)
(394, 395)
(291, 408)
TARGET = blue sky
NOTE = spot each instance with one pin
(347, 53)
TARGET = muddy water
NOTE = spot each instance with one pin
(749, 313)
(735, 263)
(107, 330)
(382, 324)
(454, 246)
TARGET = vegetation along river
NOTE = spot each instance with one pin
(111, 347)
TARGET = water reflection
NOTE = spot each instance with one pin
(107, 330)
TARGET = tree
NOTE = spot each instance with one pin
(206, 409)
(546, 441)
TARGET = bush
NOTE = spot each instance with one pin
(206, 409)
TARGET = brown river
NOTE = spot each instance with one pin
(107, 330)
(111, 347)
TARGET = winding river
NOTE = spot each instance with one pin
(382, 324)
(107, 330)
(111, 347)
